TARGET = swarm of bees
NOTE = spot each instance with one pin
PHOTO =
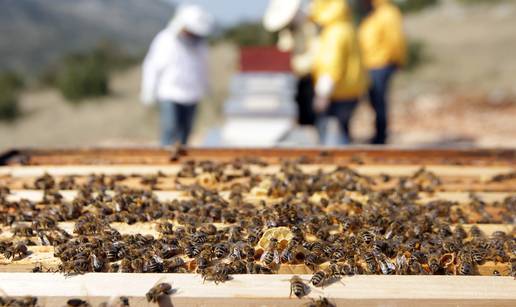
(215, 232)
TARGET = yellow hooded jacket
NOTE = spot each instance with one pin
(338, 52)
(381, 36)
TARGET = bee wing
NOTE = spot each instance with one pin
(276, 257)
(162, 279)
(263, 256)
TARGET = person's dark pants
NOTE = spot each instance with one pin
(304, 99)
(176, 122)
(342, 111)
(378, 95)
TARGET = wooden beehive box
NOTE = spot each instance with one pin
(462, 172)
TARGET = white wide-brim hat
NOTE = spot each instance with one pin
(196, 20)
(280, 13)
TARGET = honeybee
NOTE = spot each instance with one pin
(238, 267)
(199, 238)
(77, 302)
(169, 251)
(319, 278)
(218, 273)
(372, 265)
(321, 302)
(475, 232)
(465, 268)
(288, 254)
(386, 266)
(478, 255)
(208, 229)
(460, 233)
(154, 264)
(97, 264)
(255, 268)
(124, 301)
(28, 301)
(298, 287)
(44, 182)
(192, 250)
(271, 256)
(434, 265)
(312, 260)
(17, 251)
(170, 265)
(338, 254)
(367, 237)
(221, 250)
(402, 263)
(137, 265)
(23, 231)
(155, 293)
(416, 268)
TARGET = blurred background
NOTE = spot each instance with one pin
(70, 73)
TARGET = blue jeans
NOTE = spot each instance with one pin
(176, 122)
(378, 95)
(342, 111)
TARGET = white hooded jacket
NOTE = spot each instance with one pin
(175, 68)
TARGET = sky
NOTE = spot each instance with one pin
(229, 12)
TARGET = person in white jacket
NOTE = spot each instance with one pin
(175, 72)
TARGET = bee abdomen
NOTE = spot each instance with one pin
(318, 278)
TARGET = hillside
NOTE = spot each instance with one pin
(34, 33)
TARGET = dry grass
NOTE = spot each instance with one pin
(116, 120)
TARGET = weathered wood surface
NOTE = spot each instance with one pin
(368, 155)
(484, 172)
(266, 290)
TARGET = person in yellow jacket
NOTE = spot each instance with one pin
(383, 46)
(340, 77)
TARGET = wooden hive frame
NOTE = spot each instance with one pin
(463, 171)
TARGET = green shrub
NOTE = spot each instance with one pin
(9, 108)
(416, 54)
(12, 79)
(83, 76)
(248, 34)
(408, 6)
(360, 10)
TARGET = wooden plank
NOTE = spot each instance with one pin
(272, 290)
(368, 155)
(482, 172)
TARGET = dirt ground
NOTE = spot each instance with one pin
(464, 95)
